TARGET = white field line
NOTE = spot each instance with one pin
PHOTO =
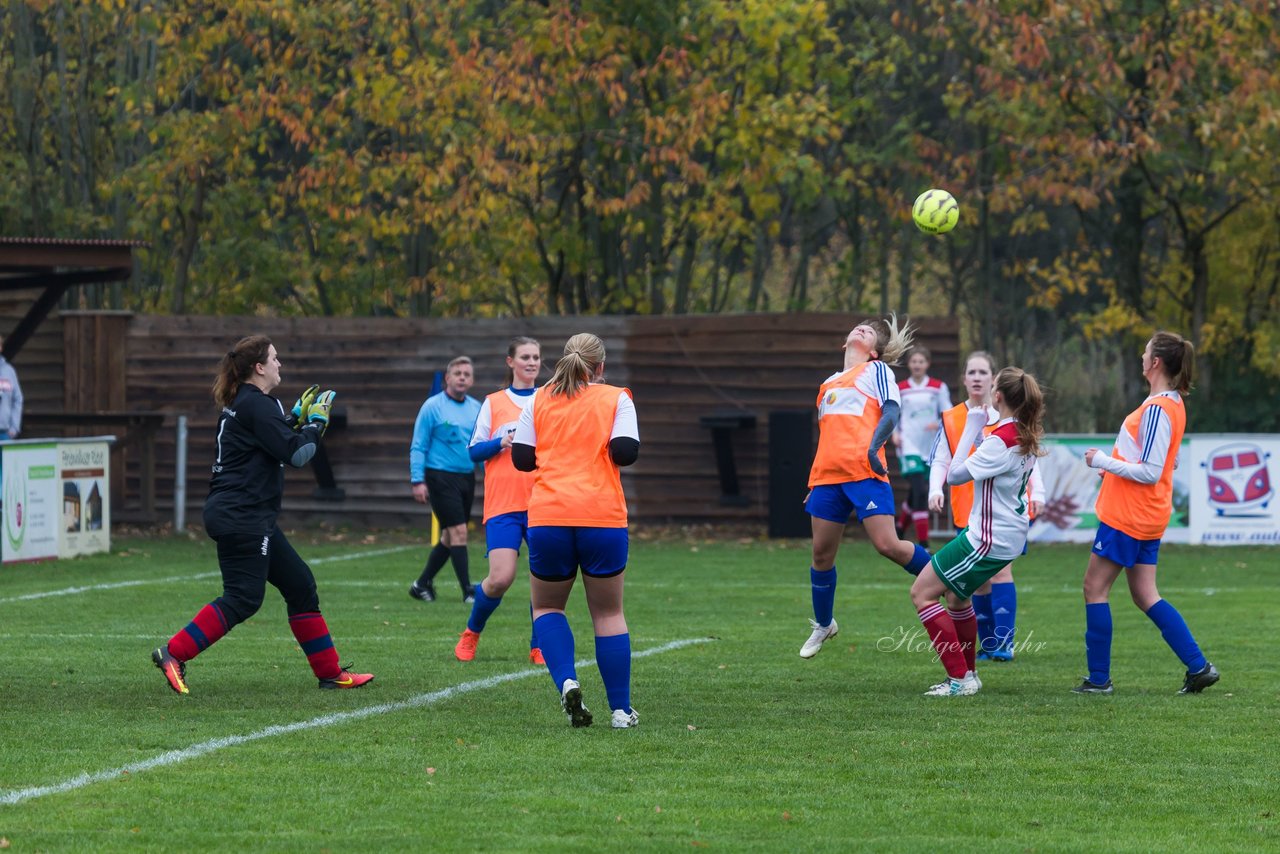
(346, 639)
(173, 757)
(68, 591)
(799, 586)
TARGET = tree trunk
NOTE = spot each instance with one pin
(684, 274)
(417, 254)
(1126, 239)
(759, 266)
(799, 300)
(1198, 261)
(191, 222)
(656, 261)
(986, 285)
(886, 245)
(905, 261)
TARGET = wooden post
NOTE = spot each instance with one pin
(94, 381)
(94, 344)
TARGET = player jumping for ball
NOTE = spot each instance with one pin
(858, 410)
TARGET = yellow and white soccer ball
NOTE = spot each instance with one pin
(935, 211)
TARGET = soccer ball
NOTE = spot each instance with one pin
(935, 211)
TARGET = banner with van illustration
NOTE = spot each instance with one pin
(1224, 490)
(1071, 488)
(1233, 489)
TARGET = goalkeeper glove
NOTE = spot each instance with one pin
(319, 411)
(303, 405)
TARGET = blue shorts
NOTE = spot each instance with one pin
(1119, 547)
(506, 531)
(836, 501)
(556, 552)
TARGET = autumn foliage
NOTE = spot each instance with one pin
(1115, 160)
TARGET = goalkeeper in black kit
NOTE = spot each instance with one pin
(256, 439)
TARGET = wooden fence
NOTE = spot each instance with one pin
(681, 369)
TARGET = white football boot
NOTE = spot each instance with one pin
(624, 720)
(571, 701)
(819, 636)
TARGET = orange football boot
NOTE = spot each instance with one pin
(466, 648)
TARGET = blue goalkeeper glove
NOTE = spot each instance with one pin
(303, 404)
(319, 411)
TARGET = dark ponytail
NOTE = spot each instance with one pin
(1177, 357)
(237, 366)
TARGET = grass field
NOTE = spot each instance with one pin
(741, 745)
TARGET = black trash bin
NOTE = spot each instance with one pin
(722, 424)
(790, 457)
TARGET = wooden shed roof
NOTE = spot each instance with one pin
(55, 265)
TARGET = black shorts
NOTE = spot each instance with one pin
(918, 491)
(451, 495)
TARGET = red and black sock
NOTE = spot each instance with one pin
(202, 632)
(942, 632)
(312, 633)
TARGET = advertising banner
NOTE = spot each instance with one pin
(1071, 488)
(30, 490)
(86, 505)
(56, 498)
(1233, 496)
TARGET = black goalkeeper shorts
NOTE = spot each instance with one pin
(451, 495)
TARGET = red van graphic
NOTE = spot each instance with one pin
(1238, 479)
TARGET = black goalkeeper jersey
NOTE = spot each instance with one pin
(255, 440)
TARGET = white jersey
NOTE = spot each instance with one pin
(922, 405)
(998, 521)
(484, 422)
(939, 458)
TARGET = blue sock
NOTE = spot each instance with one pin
(1004, 613)
(481, 609)
(1097, 641)
(613, 657)
(824, 594)
(557, 646)
(982, 608)
(533, 635)
(1177, 635)
(918, 561)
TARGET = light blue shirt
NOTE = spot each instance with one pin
(441, 435)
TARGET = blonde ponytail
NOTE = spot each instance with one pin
(583, 354)
(891, 342)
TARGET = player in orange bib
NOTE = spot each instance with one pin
(858, 410)
(575, 435)
(995, 603)
(1134, 505)
(506, 490)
